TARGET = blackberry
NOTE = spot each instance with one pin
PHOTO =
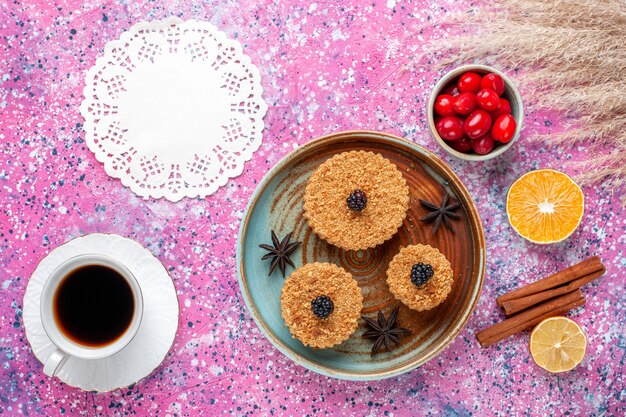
(322, 306)
(357, 200)
(421, 273)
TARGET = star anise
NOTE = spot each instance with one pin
(280, 252)
(384, 330)
(443, 213)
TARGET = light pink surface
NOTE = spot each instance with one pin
(324, 68)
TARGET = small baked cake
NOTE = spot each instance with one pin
(420, 276)
(356, 200)
(321, 304)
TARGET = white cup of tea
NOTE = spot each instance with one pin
(91, 308)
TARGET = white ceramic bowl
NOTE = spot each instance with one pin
(510, 92)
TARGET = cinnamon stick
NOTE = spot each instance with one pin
(586, 267)
(514, 306)
(530, 318)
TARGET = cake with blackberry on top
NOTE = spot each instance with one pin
(321, 304)
(356, 200)
(420, 276)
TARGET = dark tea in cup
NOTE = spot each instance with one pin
(93, 305)
(91, 308)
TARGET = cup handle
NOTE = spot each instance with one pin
(54, 363)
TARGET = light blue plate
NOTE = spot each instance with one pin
(277, 204)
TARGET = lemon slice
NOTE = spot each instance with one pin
(558, 344)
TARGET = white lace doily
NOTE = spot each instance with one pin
(173, 109)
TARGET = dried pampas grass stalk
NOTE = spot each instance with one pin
(572, 58)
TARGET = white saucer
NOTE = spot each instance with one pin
(158, 327)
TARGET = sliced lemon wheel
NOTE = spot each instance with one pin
(545, 206)
(558, 344)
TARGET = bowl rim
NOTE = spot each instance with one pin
(461, 321)
(443, 81)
